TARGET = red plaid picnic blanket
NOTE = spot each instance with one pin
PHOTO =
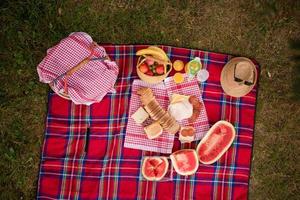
(107, 170)
(136, 138)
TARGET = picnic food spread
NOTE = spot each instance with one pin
(165, 107)
(156, 112)
(181, 107)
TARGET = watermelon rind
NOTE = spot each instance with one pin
(205, 138)
(174, 163)
(155, 178)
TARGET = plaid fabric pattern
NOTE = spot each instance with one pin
(109, 171)
(136, 138)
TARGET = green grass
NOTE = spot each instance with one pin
(258, 29)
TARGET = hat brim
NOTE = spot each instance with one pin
(232, 87)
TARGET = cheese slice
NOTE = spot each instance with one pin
(178, 98)
(140, 115)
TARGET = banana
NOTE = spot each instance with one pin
(159, 50)
(155, 52)
(151, 52)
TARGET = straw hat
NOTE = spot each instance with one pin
(238, 77)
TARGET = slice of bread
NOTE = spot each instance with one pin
(140, 115)
(153, 130)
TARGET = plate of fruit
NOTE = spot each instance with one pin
(153, 64)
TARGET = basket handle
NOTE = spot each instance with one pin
(82, 63)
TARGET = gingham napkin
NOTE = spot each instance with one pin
(189, 88)
(87, 85)
(136, 138)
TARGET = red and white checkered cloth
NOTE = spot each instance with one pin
(189, 88)
(135, 136)
(91, 82)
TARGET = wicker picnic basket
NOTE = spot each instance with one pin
(64, 94)
(153, 79)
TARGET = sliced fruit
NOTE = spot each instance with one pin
(154, 168)
(153, 130)
(160, 69)
(178, 78)
(185, 161)
(178, 65)
(144, 68)
(216, 142)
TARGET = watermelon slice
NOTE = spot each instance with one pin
(154, 168)
(216, 142)
(185, 161)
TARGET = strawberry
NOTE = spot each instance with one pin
(144, 68)
(160, 69)
(149, 73)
